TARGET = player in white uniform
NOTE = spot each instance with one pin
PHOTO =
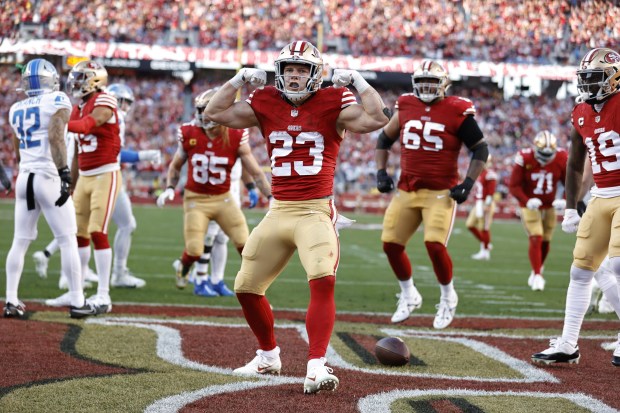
(123, 216)
(43, 183)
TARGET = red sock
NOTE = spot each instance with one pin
(398, 259)
(476, 233)
(544, 248)
(535, 253)
(321, 315)
(442, 264)
(100, 240)
(259, 316)
(486, 238)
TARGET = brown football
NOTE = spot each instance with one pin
(392, 351)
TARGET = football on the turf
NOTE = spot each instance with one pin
(392, 351)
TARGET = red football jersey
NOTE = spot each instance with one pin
(601, 134)
(485, 184)
(530, 179)
(103, 144)
(429, 143)
(302, 142)
(209, 161)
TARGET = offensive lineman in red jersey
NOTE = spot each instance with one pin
(534, 182)
(481, 215)
(211, 151)
(303, 126)
(596, 132)
(432, 128)
(95, 121)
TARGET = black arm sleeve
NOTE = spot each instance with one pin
(469, 132)
(384, 141)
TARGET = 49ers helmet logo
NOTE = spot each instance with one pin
(612, 58)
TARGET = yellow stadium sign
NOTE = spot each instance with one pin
(73, 60)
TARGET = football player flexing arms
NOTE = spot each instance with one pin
(596, 133)
(95, 120)
(210, 150)
(534, 182)
(481, 215)
(43, 182)
(432, 128)
(303, 125)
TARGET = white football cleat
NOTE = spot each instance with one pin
(320, 378)
(126, 279)
(406, 305)
(530, 279)
(559, 351)
(482, 255)
(62, 301)
(40, 263)
(445, 311)
(538, 283)
(102, 302)
(261, 364)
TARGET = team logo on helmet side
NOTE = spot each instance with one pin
(598, 76)
(300, 52)
(612, 58)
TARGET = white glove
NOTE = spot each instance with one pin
(167, 195)
(343, 222)
(479, 211)
(533, 203)
(255, 77)
(345, 77)
(151, 155)
(559, 204)
(570, 223)
(488, 200)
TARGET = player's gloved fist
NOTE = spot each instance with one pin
(581, 208)
(256, 77)
(533, 204)
(385, 183)
(65, 184)
(559, 204)
(253, 196)
(345, 77)
(167, 195)
(461, 191)
(570, 223)
(150, 155)
(6, 183)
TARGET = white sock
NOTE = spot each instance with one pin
(201, 278)
(608, 285)
(103, 262)
(122, 244)
(14, 268)
(84, 253)
(272, 354)
(447, 291)
(52, 247)
(71, 266)
(577, 303)
(407, 288)
(219, 256)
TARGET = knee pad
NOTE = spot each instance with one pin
(579, 275)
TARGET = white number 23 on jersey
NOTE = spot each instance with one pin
(283, 146)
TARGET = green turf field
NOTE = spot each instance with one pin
(365, 280)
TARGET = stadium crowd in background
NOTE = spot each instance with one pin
(468, 29)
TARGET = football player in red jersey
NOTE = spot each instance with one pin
(96, 123)
(303, 125)
(481, 215)
(534, 182)
(210, 151)
(432, 128)
(596, 132)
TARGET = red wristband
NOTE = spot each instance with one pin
(84, 125)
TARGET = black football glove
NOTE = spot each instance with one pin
(65, 184)
(385, 184)
(581, 208)
(460, 192)
(5, 181)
